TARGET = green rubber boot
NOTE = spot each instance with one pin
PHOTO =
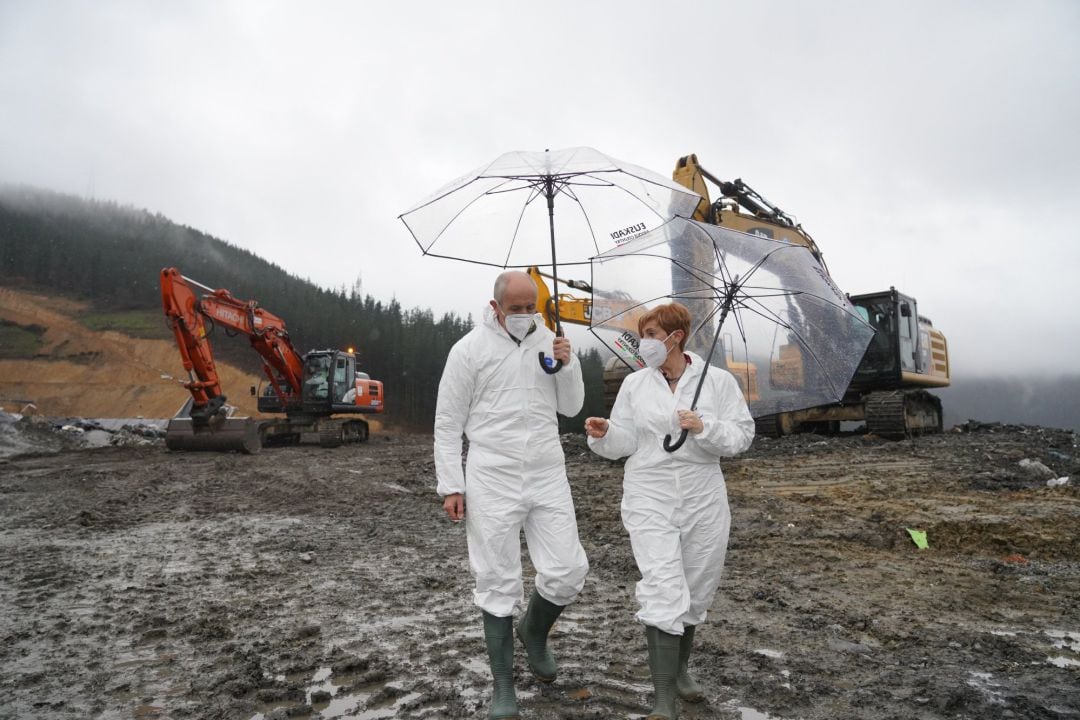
(664, 666)
(688, 687)
(533, 631)
(499, 636)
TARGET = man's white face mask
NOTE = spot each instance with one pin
(519, 325)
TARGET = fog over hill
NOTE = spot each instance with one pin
(1044, 400)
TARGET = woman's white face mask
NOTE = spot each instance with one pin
(654, 352)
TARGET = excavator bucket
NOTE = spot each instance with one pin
(220, 434)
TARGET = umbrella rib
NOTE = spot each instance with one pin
(533, 194)
(446, 225)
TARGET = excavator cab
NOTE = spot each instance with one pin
(329, 375)
(906, 349)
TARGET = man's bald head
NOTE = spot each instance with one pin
(515, 294)
(515, 282)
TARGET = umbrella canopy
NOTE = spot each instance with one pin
(503, 213)
(764, 310)
(545, 208)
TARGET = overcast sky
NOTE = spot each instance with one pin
(927, 145)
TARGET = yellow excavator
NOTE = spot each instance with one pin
(907, 355)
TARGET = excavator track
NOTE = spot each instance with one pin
(897, 414)
(773, 426)
(331, 434)
(335, 433)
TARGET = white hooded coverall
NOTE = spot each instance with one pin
(495, 391)
(675, 505)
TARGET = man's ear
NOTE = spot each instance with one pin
(494, 305)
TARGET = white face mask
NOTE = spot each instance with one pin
(654, 352)
(519, 325)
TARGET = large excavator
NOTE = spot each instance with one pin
(889, 389)
(906, 356)
(312, 390)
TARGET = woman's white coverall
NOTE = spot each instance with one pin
(675, 505)
(494, 390)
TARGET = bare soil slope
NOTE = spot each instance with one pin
(81, 372)
(304, 582)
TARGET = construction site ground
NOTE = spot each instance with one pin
(305, 582)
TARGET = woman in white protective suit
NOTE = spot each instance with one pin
(674, 505)
(494, 390)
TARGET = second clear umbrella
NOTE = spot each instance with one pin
(766, 311)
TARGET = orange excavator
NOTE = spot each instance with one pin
(313, 390)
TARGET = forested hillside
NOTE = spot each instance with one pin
(111, 256)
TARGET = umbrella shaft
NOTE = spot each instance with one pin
(728, 299)
(549, 191)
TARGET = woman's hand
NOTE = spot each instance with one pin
(596, 427)
(690, 420)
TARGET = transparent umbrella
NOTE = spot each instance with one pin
(544, 209)
(763, 310)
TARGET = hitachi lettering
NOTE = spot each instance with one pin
(621, 236)
(227, 314)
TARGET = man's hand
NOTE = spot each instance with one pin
(560, 349)
(454, 505)
(596, 427)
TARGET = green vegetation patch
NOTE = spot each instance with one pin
(19, 342)
(135, 323)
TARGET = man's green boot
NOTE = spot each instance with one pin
(688, 687)
(533, 629)
(499, 636)
(664, 666)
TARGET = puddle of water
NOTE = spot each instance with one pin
(343, 705)
(1065, 640)
(178, 567)
(985, 682)
(1063, 662)
(338, 706)
(774, 654)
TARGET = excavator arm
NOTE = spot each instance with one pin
(189, 316)
(181, 306)
(761, 216)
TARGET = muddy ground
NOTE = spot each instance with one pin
(302, 582)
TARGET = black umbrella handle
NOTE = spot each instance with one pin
(544, 365)
(551, 370)
(678, 444)
(728, 300)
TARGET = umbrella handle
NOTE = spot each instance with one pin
(543, 360)
(544, 366)
(678, 444)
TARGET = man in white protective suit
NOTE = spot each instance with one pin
(675, 505)
(495, 391)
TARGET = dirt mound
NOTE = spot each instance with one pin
(304, 582)
(81, 372)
